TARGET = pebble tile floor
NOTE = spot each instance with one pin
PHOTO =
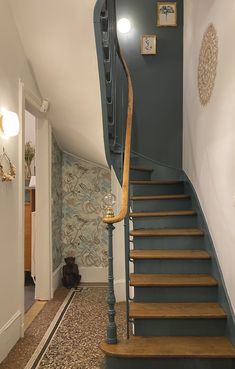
(76, 342)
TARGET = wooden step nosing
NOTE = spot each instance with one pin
(176, 213)
(172, 280)
(171, 256)
(160, 197)
(167, 232)
(160, 183)
(172, 348)
(177, 317)
(141, 169)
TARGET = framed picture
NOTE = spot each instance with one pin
(148, 44)
(166, 14)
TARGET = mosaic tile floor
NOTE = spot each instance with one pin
(23, 350)
(76, 342)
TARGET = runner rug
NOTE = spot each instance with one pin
(73, 340)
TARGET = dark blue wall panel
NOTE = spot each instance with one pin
(157, 82)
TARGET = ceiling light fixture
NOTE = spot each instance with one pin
(124, 25)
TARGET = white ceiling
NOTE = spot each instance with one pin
(58, 39)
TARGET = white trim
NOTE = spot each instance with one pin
(28, 100)
(10, 322)
(56, 277)
(43, 250)
(93, 274)
(120, 290)
(9, 334)
(31, 98)
(21, 201)
(48, 332)
(86, 161)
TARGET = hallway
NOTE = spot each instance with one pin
(75, 343)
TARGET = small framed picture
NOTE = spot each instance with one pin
(149, 45)
(166, 14)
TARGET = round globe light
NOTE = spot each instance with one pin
(10, 124)
(124, 25)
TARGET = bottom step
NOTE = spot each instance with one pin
(170, 353)
(171, 347)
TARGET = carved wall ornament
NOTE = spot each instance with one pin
(6, 175)
(207, 66)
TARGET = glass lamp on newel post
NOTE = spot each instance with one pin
(109, 201)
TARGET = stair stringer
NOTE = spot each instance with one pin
(223, 297)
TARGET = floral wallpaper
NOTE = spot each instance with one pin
(84, 236)
(56, 190)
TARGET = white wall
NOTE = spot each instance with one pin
(209, 132)
(13, 65)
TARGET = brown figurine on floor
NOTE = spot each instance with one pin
(71, 276)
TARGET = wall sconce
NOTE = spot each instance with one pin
(9, 123)
(124, 25)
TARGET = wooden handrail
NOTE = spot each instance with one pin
(127, 154)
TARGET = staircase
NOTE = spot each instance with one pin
(177, 321)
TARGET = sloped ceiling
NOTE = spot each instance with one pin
(58, 39)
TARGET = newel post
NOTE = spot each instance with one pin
(111, 300)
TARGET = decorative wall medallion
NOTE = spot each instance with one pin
(207, 67)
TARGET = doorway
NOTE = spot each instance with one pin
(29, 211)
(38, 195)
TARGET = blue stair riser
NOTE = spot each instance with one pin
(137, 363)
(180, 327)
(178, 221)
(175, 294)
(137, 175)
(161, 205)
(172, 266)
(169, 243)
(172, 189)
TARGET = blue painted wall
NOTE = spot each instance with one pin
(157, 82)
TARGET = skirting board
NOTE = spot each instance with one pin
(10, 334)
(56, 277)
(94, 275)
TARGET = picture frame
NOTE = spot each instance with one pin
(166, 14)
(148, 44)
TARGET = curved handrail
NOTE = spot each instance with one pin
(127, 153)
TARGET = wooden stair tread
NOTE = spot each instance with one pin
(141, 169)
(161, 232)
(161, 197)
(174, 310)
(171, 347)
(169, 254)
(146, 182)
(163, 213)
(171, 280)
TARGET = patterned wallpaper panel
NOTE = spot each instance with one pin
(84, 236)
(56, 189)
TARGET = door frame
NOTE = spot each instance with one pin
(43, 237)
